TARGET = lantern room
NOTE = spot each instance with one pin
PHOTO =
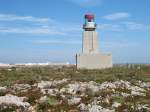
(89, 22)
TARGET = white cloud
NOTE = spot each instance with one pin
(10, 17)
(136, 26)
(86, 2)
(56, 42)
(110, 27)
(119, 44)
(47, 26)
(43, 29)
(35, 26)
(124, 26)
(117, 16)
(30, 30)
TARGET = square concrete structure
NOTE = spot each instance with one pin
(90, 58)
(94, 61)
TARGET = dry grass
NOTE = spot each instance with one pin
(34, 74)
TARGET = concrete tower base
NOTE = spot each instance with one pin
(93, 61)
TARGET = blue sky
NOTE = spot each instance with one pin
(51, 30)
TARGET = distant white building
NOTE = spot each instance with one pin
(40, 64)
(4, 65)
(91, 58)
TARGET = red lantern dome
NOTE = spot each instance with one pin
(89, 17)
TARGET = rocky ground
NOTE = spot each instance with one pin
(73, 96)
(70, 95)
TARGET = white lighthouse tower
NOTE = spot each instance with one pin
(90, 58)
(90, 43)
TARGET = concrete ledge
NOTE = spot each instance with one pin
(93, 61)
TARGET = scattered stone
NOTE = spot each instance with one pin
(89, 96)
(143, 107)
(80, 87)
(124, 94)
(116, 104)
(42, 99)
(144, 85)
(11, 100)
(136, 93)
(98, 108)
(51, 84)
(3, 89)
(83, 107)
(48, 100)
(32, 109)
(51, 92)
(73, 110)
(21, 87)
(74, 101)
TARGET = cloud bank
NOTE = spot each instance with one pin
(10, 17)
(88, 3)
(36, 25)
(117, 16)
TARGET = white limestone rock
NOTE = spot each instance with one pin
(80, 87)
(42, 99)
(83, 107)
(94, 108)
(32, 109)
(21, 87)
(3, 89)
(144, 85)
(74, 100)
(50, 84)
(93, 87)
(74, 88)
(137, 93)
(116, 104)
(125, 94)
(141, 107)
(114, 85)
(51, 92)
(98, 108)
(10, 100)
(45, 84)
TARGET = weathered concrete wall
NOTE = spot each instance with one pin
(94, 61)
(90, 42)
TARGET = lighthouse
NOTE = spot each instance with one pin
(90, 42)
(91, 58)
